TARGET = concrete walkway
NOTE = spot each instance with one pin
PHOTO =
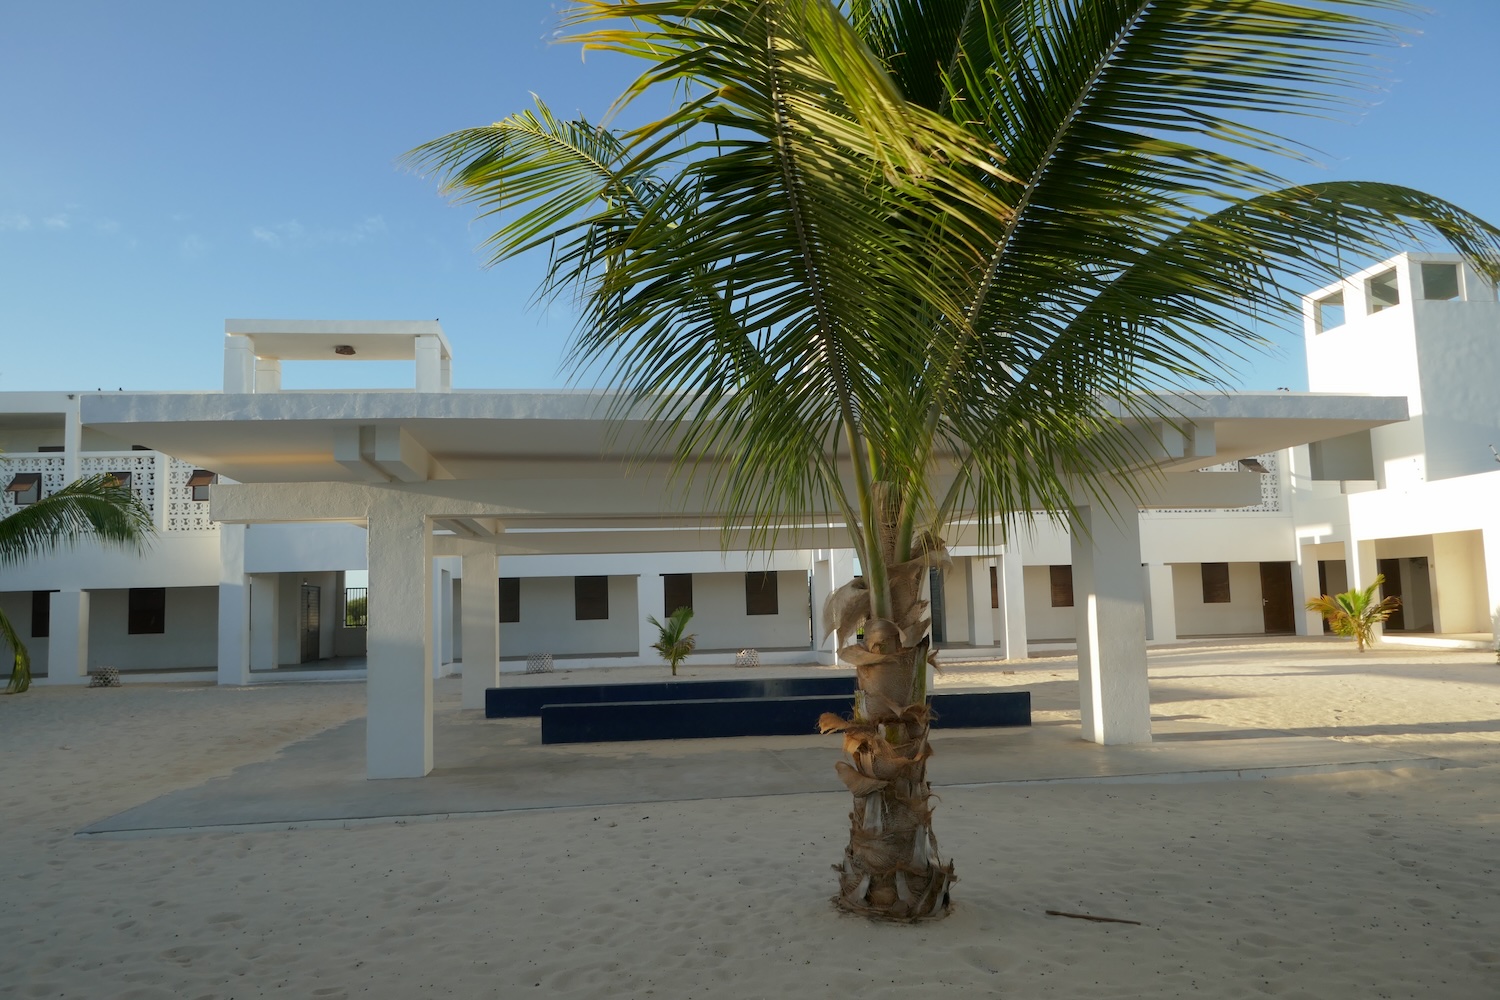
(488, 767)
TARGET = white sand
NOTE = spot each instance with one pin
(1370, 884)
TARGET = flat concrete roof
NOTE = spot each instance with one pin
(289, 436)
(314, 340)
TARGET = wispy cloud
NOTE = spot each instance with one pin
(58, 222)
(293, 233)
(14, 222)
(192, 246)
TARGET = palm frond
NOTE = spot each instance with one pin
(20, 657)
(95, 507)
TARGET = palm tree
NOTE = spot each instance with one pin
(96, 507)
(903, 263)
(1356, 612)
(674, 642)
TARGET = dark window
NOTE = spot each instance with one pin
(121, 479)
(25, 488)
(41, 613)
(1215, 583)
(590, 598)
(510, 599)
(148, 611)
(1062, 586)
(676, 591)
(139, 447)
(994, 586)
(760, 594)
(1440, 281)
(49, 448)
(200, 481)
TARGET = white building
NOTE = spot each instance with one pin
(432, 484)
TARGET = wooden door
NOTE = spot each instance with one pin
(1277, 609)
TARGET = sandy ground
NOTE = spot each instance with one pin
(1365, 885)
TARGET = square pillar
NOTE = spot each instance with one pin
(650, 599)
(398, 688)
(267, 375)
(479, 620)
(434, 371)
(442, 621)
(265, 621)
(1363, 569)
(234, 607)
(239, 364)
(68, 644)
(1163, 602)
(1114, 698)
(1012, 602)
(981, 615)
(1491, 557)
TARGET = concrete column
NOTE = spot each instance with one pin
(267, 375)
(234, 607)
(1114, 698)
(239, 364)
(1363, 569)
(1012, 603)
(479, 611)
(433, 370)
(1491, 557)
(442, 622)
(1163, 620)
(72, 441)
(649, 600)
(163, 504)
(265, 621)
(824, 645)
(1304, 589)
(398, 728)
(981, 617)
(68, 645)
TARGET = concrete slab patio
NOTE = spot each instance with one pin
(488, 767)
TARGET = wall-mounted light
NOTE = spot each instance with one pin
(345, 350)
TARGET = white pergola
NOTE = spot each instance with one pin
(483, 474)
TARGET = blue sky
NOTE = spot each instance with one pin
(165, 165)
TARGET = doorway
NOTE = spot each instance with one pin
(1277, 608)
(309, 622)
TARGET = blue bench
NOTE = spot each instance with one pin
(519, 702)
(707, 718)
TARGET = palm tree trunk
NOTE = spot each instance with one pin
(891, 869)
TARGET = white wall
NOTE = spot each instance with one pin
(1242, 615)
(1459, 583)
(16, 606)
(1043, 621)
(547, 624)
(719, 618)
(191, 637)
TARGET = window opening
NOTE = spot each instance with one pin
(1329, 312)
(1062, 586)
(760, 594)
(1439, 282)
(510, 598)
(356, 607)
(590, 598)
(1215, 583)
(148, 611)
(1382, 291)
(25, 488)
(676, 591)
(200, 481)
